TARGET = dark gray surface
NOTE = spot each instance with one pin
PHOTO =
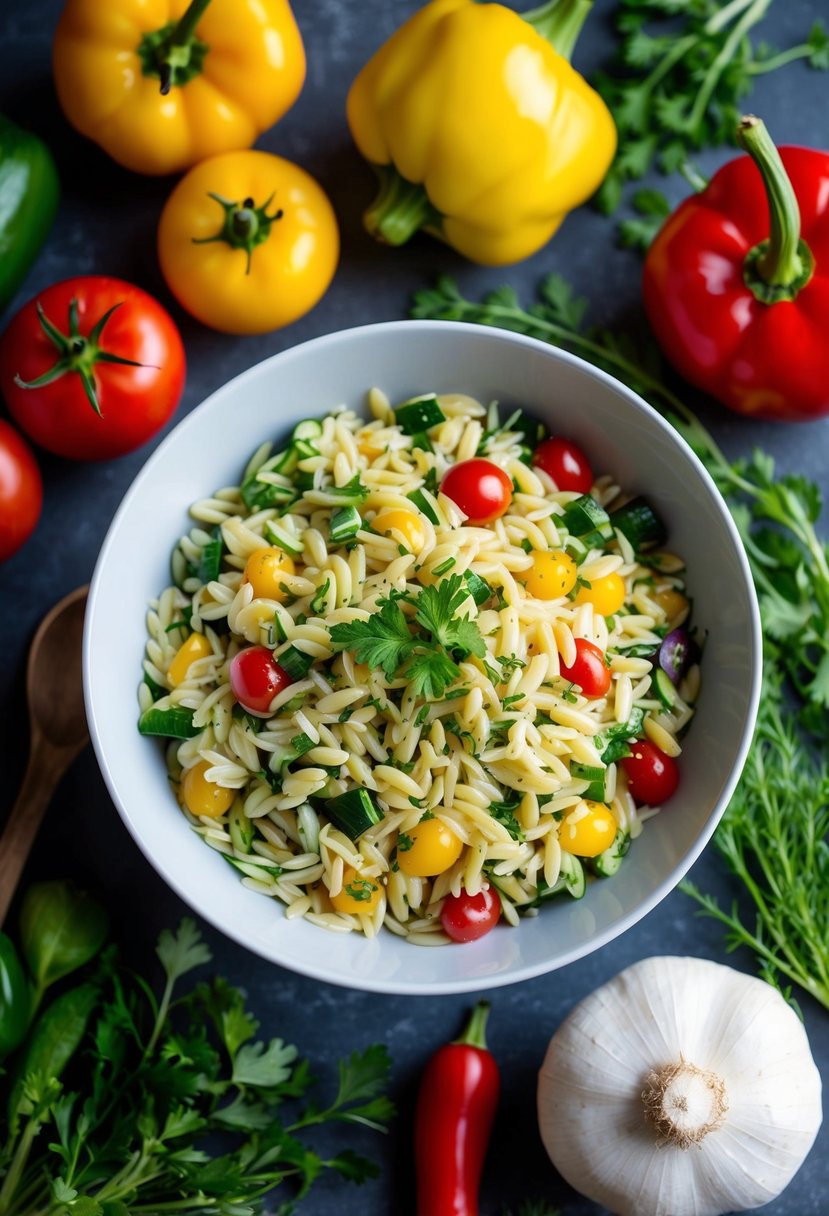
(107, 224)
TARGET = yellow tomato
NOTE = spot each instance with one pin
(196, 647)
(248, 242)
(403, 526)
(358, 895)
(265, 570)
(434, 848)
(672, 602)
(605, 594)
(203, 797)
(162, 84)
(551, 575)
(586, 833)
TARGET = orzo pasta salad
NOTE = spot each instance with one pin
(422, 672)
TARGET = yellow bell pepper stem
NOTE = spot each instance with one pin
(560, 22)
(244, 225)
(174, 53)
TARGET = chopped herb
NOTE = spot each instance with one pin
(422, 715)
(445, 567)
(182, 622)
(509, 664)
(418, 802)
(361, 889)
(512, 699)
(346, 714)
(173, 723)
(404, 842)
(210, 562)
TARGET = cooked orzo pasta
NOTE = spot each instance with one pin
(409, 665)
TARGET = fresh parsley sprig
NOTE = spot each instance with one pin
(426, 657)
(167, 1102)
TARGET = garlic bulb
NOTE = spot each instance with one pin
(679, 1088)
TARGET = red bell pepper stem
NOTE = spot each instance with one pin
(455, 1110)
(779, 267)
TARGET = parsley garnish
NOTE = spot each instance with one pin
(404, 842)
(360, 889)
(428, 658)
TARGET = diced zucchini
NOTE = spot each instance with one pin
(587, 519)
(353, 812)
(346, 522)
(478, 587)
(422, 440)
(309, 429)
(424, 502)
(260, 491)
(285, 462)
(240, 827)
(173, 723)
(297, 663)
(596, 775)
(638, 521)
(419, 415)
(608, 862)
(572, 875)
(284, 538)
(305, 448)
(664, 688)
(351, 494)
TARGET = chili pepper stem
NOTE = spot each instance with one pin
(560, 22)
(474, 1035)
(779, 267)
(399, 209)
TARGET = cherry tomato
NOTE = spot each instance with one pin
(466, 917)
(358, 895)
(551, 575)
(428, 849)
(117, 360)
(265, 570)
(588, 830)
(481, 489)
(652, 776)
(566, 463)
(203, 797)
(256, 678)
(605, 594)
(21, 491)
(589, 671)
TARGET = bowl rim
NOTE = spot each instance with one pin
(529, 970)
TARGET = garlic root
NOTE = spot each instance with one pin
(683, 1103)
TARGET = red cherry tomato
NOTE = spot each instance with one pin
(21, 491)
(566, 463)
(465, 917)
(652, 776)
(256, 678)
(113, 346)
(589, 671)
(482, 490)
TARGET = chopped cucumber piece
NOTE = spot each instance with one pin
(664, 688)
(240, 827)
(424, 502)
(596, 775)
(285, 462)
(173, 723)
(587, 519)
(351, 494)
(572, 875)
(295, 662)
(305, 448)
(353, 812)
(419, 415)
(608, 862)
(638, 521)
(346, 522)
(422, 440)
(477, 587)
(309, 429)
(284, 538)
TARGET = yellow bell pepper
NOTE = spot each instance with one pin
(162, 84)
(248, 242)
(480, 130)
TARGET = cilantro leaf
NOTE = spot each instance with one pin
(182, 951)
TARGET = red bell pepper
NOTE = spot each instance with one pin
(455, 1109)
(736, 283)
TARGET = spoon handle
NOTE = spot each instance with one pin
(46, 766)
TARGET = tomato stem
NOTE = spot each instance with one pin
(560, 23)
(779, 267)
(244, 225)
(474, 1035)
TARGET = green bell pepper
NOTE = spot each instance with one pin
(28, 203)
(15, 1005)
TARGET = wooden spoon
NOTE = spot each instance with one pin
(57, 720)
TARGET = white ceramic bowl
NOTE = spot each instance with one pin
(623, 435)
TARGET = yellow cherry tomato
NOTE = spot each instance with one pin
(605, 594)
(358, 895)
(672, 602)
(196, 647)
(248, 242)
(587, 832)
(203, 797)
(265, 570)
(404, 526)
(552, 575)
(434, 848)
(162, 84)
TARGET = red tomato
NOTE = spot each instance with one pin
(465, 917)
(589, 671)
(256, 678)
(652, 776)
(482, 490)
(566, 463)
(21, 491)
(79, 327)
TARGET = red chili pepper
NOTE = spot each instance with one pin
(455, 1109)
(736, 284)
